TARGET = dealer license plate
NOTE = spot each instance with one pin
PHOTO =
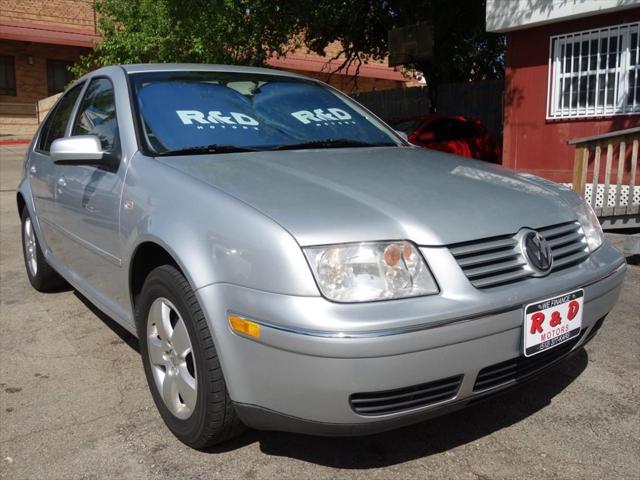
(551, 322)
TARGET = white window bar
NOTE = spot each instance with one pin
(596, 64)
(615, 104)
(636, 68)
(570, 76)
(607, 75)
(594, 73)
(579, 76)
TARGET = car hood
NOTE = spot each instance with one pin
(363, 194)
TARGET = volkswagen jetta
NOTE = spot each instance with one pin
(289, 262)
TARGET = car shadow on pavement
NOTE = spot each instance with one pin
(409, 443)
(61, 287)
(424, 439)
(124, 335)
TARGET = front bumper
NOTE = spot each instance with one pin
(312, 354)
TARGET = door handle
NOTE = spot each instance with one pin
(60, 185)
(33, 170)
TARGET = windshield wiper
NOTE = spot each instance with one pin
(204, 149)
(332, 143)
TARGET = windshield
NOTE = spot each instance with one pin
(219, 112)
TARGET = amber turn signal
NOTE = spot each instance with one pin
(242, 325)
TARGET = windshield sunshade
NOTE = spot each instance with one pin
(251, 112)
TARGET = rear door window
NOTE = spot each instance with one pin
(57, 121)
(447, 129)
(462, 130)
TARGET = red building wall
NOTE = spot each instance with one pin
(530, 142)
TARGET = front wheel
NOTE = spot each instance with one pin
(181, 363)
(41, 275)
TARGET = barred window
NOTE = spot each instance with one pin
(7, 75)
(58, 75)
(594, 73)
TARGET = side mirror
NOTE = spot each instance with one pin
(78, 150)
(427, 137)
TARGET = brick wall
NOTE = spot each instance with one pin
(31, 80)
(72, 22)
(21, 126)
(372, 75)
(70, 14)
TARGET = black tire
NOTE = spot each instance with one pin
(214, 419)
(45, 278)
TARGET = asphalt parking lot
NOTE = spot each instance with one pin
(74, 404)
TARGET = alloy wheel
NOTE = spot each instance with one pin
(171, 358)
(30, 247)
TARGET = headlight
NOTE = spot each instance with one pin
(361, 272)
(590, 225)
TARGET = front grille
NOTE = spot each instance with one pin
(491, 262)
(401, 399)
(567, 243)
(499, 260)
(519, 368)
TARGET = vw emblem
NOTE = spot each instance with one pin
(537, 251)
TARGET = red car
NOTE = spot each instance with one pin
(453, 134)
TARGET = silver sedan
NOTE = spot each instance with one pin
(289, 262)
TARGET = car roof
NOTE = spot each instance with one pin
(184, 67)
(200, 67)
